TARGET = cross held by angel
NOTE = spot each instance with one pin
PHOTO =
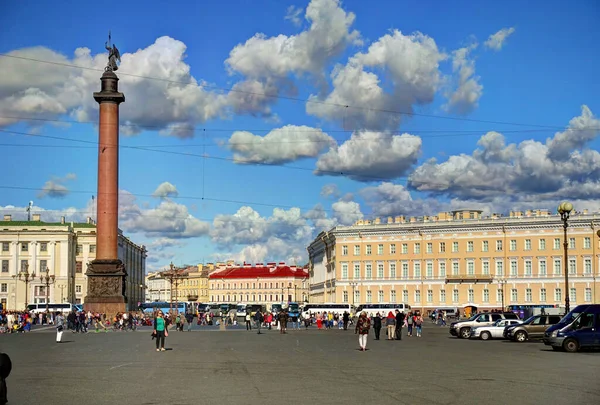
(113, 56)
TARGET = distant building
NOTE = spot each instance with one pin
(458, 259)
(259, 283)
(61, 249)
(192, 288)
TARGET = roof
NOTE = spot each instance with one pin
(40, 223)
(259, 271)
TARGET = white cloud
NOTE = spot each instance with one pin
(281, 145)
(347, 212)
(368, 156)
(168, 219)
(330, 191)
(267, 62)
(465, 98)
(55, 187)
(166, 189)
(496, 41)
(561, 167)
(307, 52)
(40, 90)
(293, 15)
(412, 64)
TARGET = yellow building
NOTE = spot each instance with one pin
(194, 287)
(457, 259)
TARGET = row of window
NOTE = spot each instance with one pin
(416, 246)
(470, 269)
(250, 298)
(185, 293)
(194, 283)
(456, 299)
(42, 268)
(233, 286)
(44, 247)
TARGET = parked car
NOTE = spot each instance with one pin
(580, 328)
(462, 329)
(493, 331)
(532, 328)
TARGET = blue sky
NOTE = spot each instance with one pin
(468, 91)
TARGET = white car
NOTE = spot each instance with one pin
(494, 331)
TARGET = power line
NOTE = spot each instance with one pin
(277, 96)
(251, 163)
(262, 140)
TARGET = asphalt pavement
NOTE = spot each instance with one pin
(209, 366)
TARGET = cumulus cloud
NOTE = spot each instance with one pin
(55, 187)
(166, 189)
(368, 156)
(284, 235)
(293, 15)
(330, 191)
(281, 145)
(465, 97)
(267, 62)
(496, 41)
(41, 90)
(412, 65)
(168, 219)
(347, 212)
(560, 167)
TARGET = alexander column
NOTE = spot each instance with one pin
(106, 274)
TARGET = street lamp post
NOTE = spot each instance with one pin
(564, 209)
(47, 280)
(27, 278)
(174, 276)
(353, 284)
(62, 293)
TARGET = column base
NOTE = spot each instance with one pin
(106, 287)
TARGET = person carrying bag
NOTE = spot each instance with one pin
(161, 331)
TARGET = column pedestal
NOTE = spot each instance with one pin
(106, 287)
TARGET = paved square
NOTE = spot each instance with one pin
(324, 367)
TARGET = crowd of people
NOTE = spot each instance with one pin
(394, 323)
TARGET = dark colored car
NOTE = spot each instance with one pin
(580, 328)
(532, 328)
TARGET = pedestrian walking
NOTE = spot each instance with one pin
(390, 322)
(60, 326)
(362, 329)
(161, 330)
(399, 324)
(259, 320)
(377, 325)
(419, 325)
(248, 321)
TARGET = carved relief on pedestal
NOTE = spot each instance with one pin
(104, 286)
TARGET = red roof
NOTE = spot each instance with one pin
(259, 271)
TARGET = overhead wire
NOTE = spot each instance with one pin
(192, 81)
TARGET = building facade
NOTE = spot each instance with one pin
(62, 250)
(191, 288)
(458, 259)
(259, 283)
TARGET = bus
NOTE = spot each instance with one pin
(328, 307)
(382, 308)
(165, 307)
(276, 308)
(293, 309)
(253, 308)
(525, 311)
(65, 308)
(241, 310)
